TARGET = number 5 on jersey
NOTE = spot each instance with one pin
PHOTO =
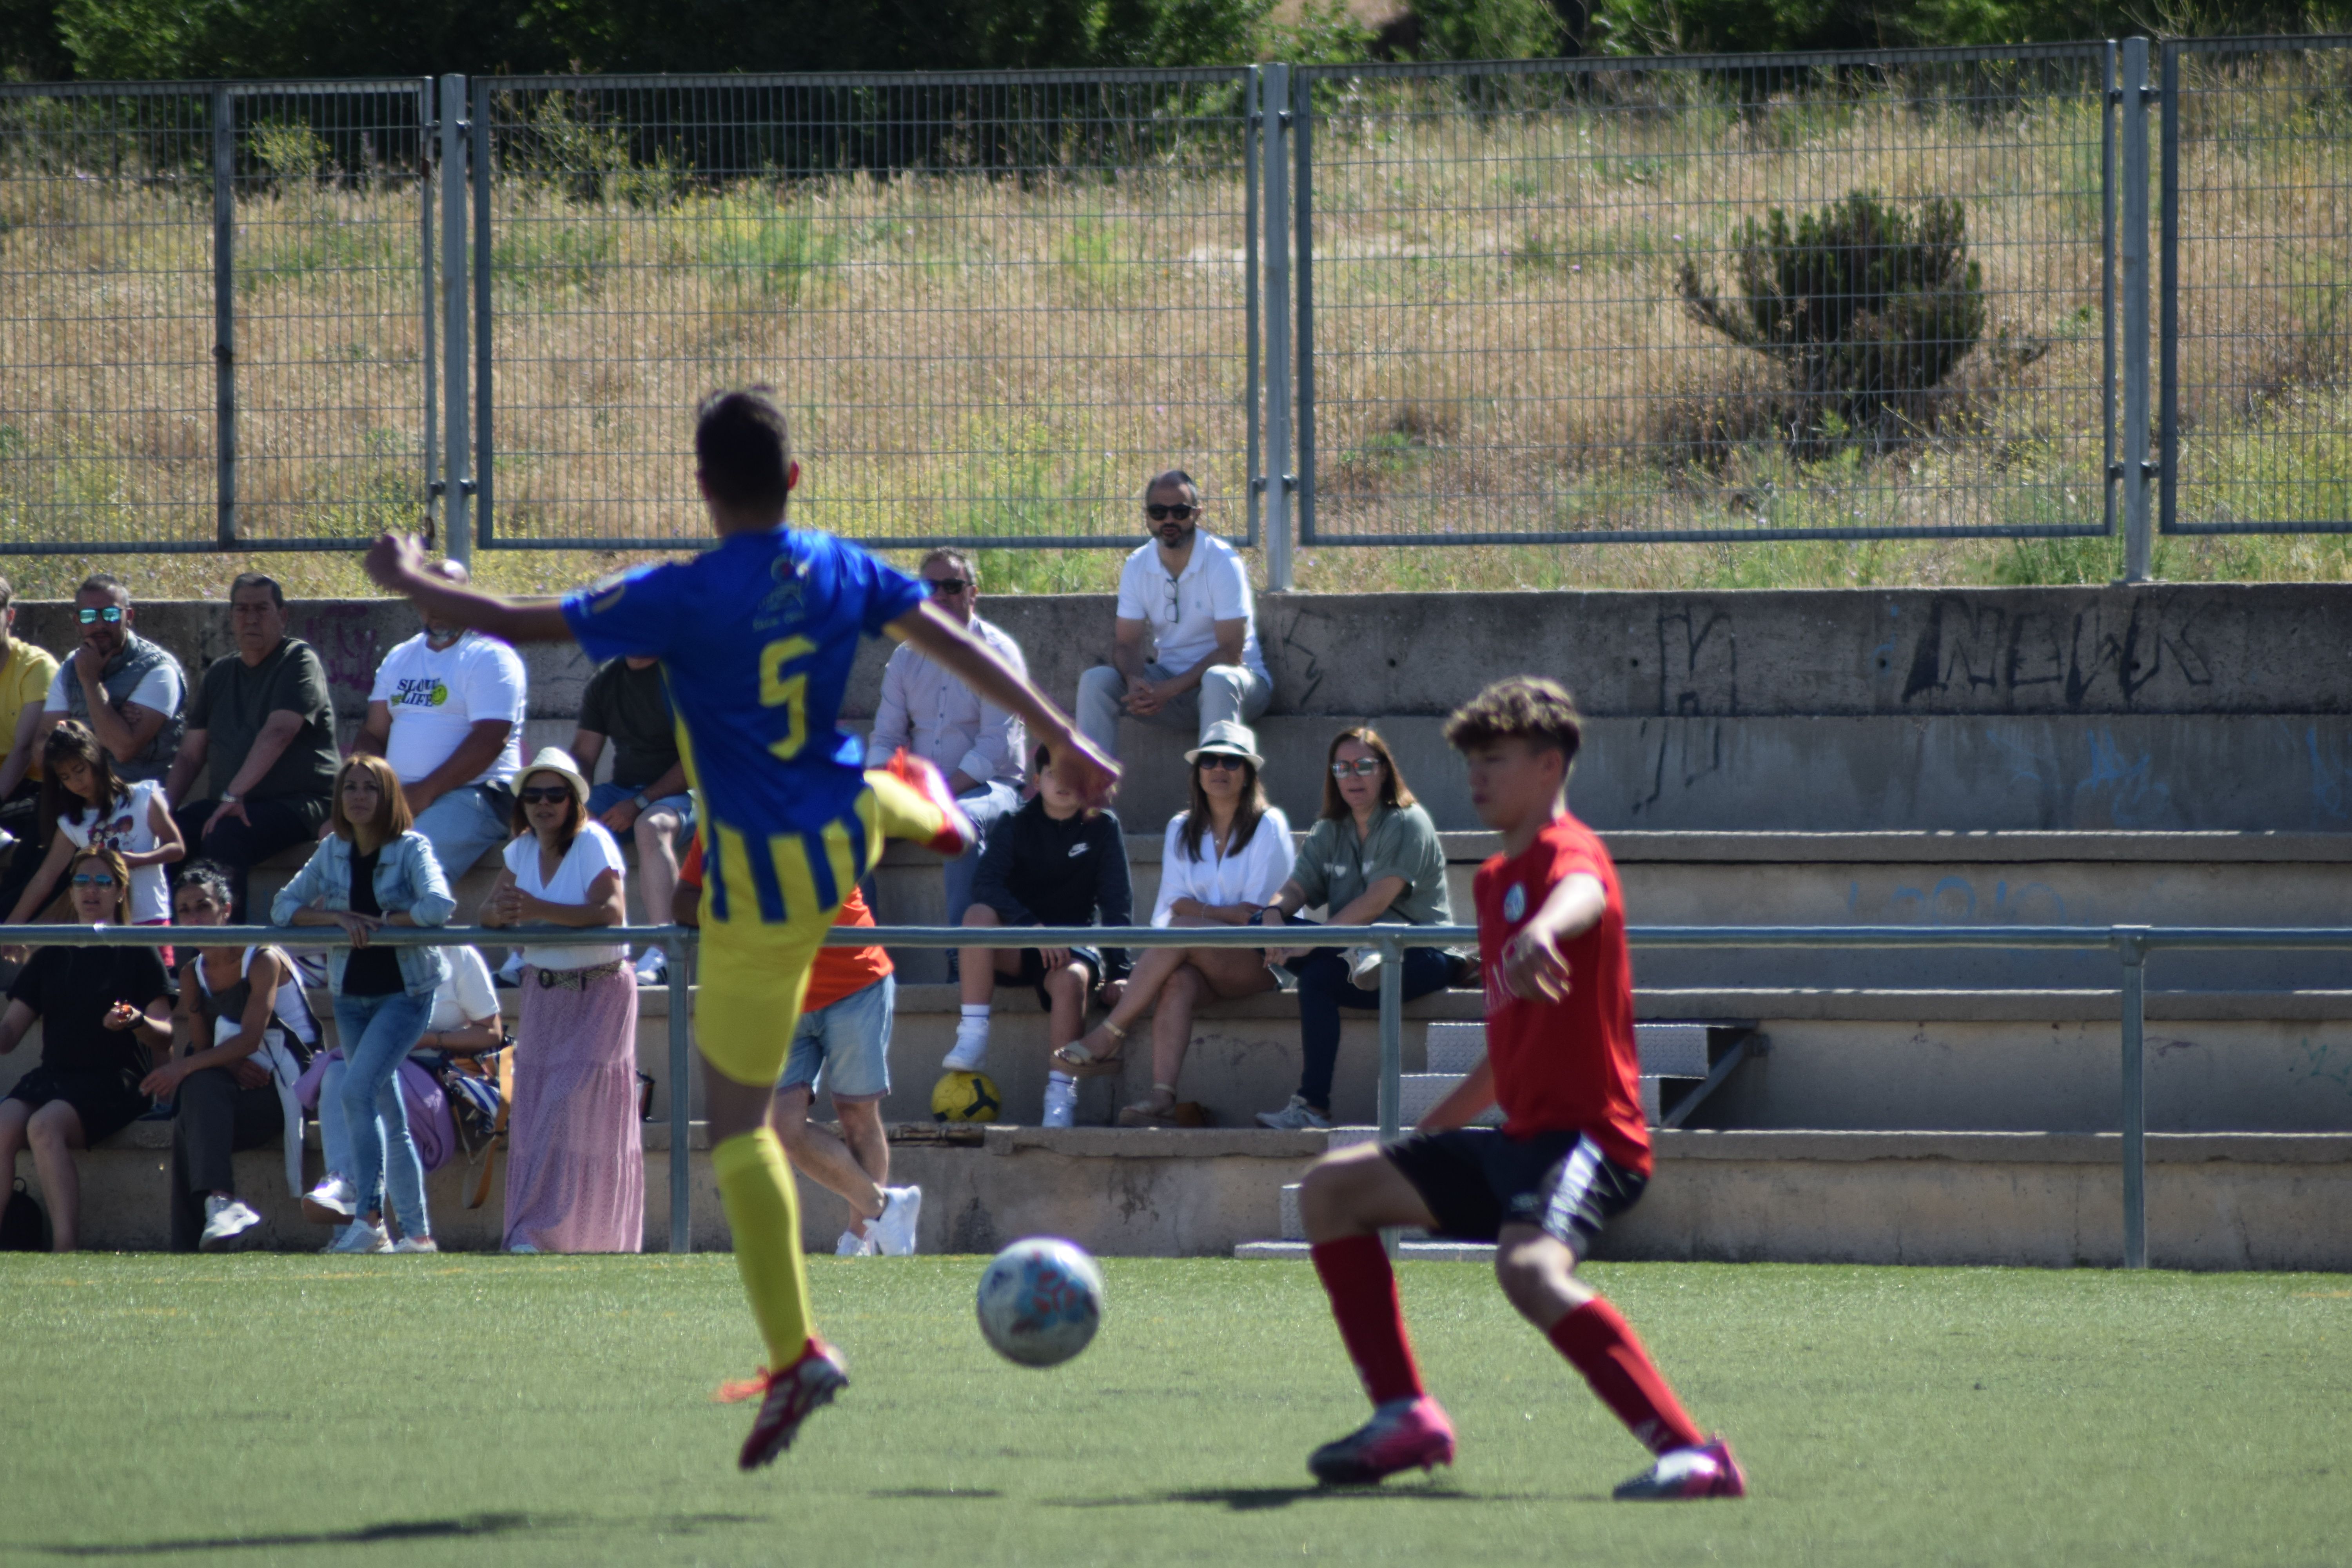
(789, 692)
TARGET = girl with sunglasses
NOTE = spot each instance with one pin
(575, 1153)
(1223, 861)
(373, 869)
(85, 803)
(105, 1016)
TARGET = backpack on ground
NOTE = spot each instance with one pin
(24, 1224)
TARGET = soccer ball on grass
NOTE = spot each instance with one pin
(1040, 1302)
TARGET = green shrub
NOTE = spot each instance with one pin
(1865, 307)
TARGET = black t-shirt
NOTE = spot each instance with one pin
(235, 700)
(72, 987)
(630, 707)
(371, 970)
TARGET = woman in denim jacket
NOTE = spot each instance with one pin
(372, 871)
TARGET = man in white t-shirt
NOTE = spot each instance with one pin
(446, 714)
(1189, 591)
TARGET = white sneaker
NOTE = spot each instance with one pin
(1061, 1104)
(970, 1049)
(332, 1202)
(360, 1236)
(894, 1233)
(853, 1245)
(1296, 1117)
(653, 966)
(229, 1226)
(417, 1244)
(522, 1249)
(1363, 967)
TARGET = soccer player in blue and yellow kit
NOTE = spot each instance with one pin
(756, 638)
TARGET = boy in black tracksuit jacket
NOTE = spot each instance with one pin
(1051, 863)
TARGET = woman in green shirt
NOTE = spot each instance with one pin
(1373, 855)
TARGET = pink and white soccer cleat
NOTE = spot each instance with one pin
(1708, 1470)
(956, 833)
(1402, 1435)
(789, 1398)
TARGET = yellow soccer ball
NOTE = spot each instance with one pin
(964, 1097)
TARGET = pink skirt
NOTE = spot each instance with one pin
(575, 1155)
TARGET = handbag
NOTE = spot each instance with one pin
(429, 1125)
(481, 1093)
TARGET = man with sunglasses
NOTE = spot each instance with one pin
(129, 691)
(927, 710)
(1190, 593)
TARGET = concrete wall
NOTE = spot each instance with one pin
(2224, 707)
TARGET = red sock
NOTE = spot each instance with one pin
(1603, 1347)
(1362, 1287)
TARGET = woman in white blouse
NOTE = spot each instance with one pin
(1225, 860)
(575, 1155)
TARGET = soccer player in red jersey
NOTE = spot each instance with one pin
(1573, 1150)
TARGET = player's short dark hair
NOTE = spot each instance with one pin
(258, 579)
(744, 449)
(1525, 706)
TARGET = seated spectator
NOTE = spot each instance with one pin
(1224, 860)
(464, 1022)
(842, 1046)
(646, 795)
(1054, 863)
(131, 692)
(105, 1016)
(87, 803)
(1372, 855)
(1190, 593)
(25, 675)
(977, 744)
(373, 869)
(446, 712)
(249, 1034)
(262, 721)
(575, 1156)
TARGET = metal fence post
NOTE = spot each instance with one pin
(456, 531)
(2134, 250)
(1252, 152)
(483, 455)
(2131, 948)
(1391, 1051)
(681, 1100)
(427, 130)
(225, 316)
(2168, 438)
(2113, 97)
(1302, 199)
(1274, 186)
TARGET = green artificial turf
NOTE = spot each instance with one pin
(498, 1410)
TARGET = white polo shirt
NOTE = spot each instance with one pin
(1183, 612)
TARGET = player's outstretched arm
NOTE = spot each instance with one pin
(1076, 760)
(396, 561)
(1533, 967)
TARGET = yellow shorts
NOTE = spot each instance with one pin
(754, 972)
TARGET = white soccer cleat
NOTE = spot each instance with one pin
(229, 1226)
(1061, 1104)
(894, 1233)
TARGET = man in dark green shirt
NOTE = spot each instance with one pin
(262, 720)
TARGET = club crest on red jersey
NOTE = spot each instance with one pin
(1514, 902)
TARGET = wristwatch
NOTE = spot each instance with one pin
(639, 801)
(227, 799)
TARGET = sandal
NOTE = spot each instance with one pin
(1078, 1062)
(1147, 1114)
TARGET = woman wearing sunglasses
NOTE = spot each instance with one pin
(575, 1153)
(373, 869)
(1372, 856)
(1223, 861)
(84, 802)
(105, 1016)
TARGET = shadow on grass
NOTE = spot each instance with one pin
(472, 1525)
(1253, 1500)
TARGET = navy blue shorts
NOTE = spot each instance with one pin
(1475, 1181)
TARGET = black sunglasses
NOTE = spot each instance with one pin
(1221, 760)
(112, 615)
(948, 584)
(1180, 512)
(546, 795)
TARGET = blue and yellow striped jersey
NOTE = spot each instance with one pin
(756, 639)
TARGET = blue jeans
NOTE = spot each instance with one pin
(987, 806)
(1324, 989)
(462, 826)
(378, 1033)
(845, 1047)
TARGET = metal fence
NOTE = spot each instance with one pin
(2257, 286)
(1837, 296)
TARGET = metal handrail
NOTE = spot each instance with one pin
(2130, 943)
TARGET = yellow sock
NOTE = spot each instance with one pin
(755, 1186)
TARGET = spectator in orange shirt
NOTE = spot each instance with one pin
(843, 1044)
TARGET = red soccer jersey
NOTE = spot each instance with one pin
(1570, 1064)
